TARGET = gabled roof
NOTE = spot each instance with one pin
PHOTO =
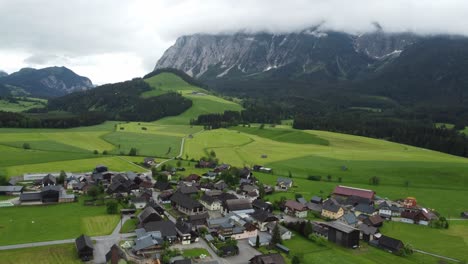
(183, 227)
(367, 229)
(185, 201)
(162, 186)
(348, 191)
(193, 177)
(349, 218)
(295, 205)
(263, 216)
(30, 196)
(83, 242)
(364, 208)
(375, 220)
(238, 204)
(49, 178)
(147, 212)
(115, 254)
(286, 181)
(301, 200)
(11, 188)
(316, 199)
(167, 228)
(184, 189)
(55, 188)
(331, 205)
(260, 204)
(390, 243)
(340, 226)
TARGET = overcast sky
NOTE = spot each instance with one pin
(115, 40)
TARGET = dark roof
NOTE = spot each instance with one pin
(340, 226)
(167, 228)
(314, 207)
(348, 191)
(350, 218)
(238, 204)
(209, 199)
(183, 261)
(261, 204)
(284, 180)
(390, 243)
(55, 188)
(183, 227)
(316, 199)
(367, 230)
(331, 205)
(147, 212)
(262, 216)
(115, 254)
(31, 196)
(364, 208)
(119, 178)
(11, 188)
(193, 177)
(295, 205)
(192, 218)
(375, 220)
(273, 258)
(49, 178)
(184, 189)
(160, 185)
(83, 242)
(410, 214)
(185, 201)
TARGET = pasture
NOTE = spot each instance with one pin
(21, 104)
(25, 224)
(56, 254)
(203, 101)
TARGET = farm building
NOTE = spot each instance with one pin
(11, 190)
(296, 209)
(84, 247)
(343, 235)
(187, 205)
(345, 191)
(115, 254)
(389, 244)
(148, 215)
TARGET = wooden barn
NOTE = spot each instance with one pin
(343, 235)
(84, 247)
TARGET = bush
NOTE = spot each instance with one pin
(132, 152)
(112, 207)
(95, 152)
(26, 146)
(314, 178)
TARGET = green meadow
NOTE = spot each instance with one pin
(56, 254)
(21, 104)
(27, 224)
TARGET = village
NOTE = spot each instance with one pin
(222, 211)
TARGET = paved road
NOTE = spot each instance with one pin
(435, 255)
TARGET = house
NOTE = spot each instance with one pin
(146, 194)
(374, 220)
(261, 218)
(261, 205)
(147, 241)
(385, 210)
(165, 197)
(389, 244)
(185, 204)
(183, 230)
(149, 162)
(349, 219)
(221, 168)
(238, 206)
(167, 229)
(316, 200)
(273, 258)
(206, 186)
(198, 220)
(364, 209)
(115, 255)
(84, 247)
(148, 215)
(162, 186)
(296, 209)
(11, 190)
(416, 216)
(193, 178)
(331, 209)
(284, 232)
(343, 235)
(210, 175)
(284, 183)
(262, 169)
(367, 232)
(211, 203)
(410, 202)
(187, 190)
(138, 202)
(49, 179)
(345, 191)
(220, 185)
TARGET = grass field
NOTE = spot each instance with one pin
(195, 252)
(56, 254)
(203, 101)
(21, 104)
(26, 224)
(452, 242)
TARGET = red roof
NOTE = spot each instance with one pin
(350, 191)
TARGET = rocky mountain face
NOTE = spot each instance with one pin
(46, 82)
(3, 74)
(308, 54)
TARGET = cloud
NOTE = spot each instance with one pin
(134, 34)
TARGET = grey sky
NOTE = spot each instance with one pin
(114, 40)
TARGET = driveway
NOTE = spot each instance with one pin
(246, 252)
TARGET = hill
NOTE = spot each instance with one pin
(46, 82)
(203, 101)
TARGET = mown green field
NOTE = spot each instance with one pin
(56, 254)
(203, 101)
(21, 104)
(27, 224)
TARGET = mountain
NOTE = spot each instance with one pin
(46, 82)
(3, 74)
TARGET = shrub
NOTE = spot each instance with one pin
(26, 146)
(314, 178)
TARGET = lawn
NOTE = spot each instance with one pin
(129, 226)
(21, 104)
(195, 252)
(56, 254)
(452, 242)
(146, 144)
(283, 135)
(203, 102)
(114, 163)
(25, 224)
